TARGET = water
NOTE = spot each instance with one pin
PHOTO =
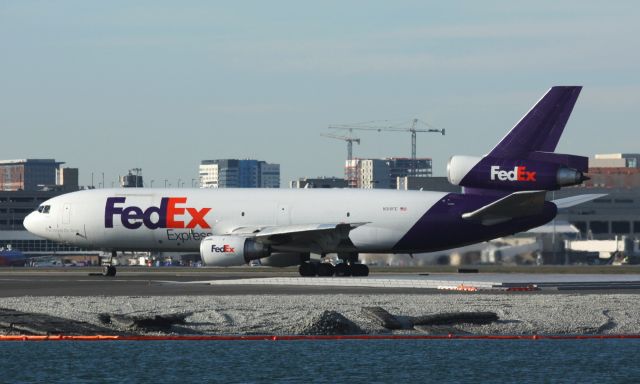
(352, 361)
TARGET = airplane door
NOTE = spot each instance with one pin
(66, 214)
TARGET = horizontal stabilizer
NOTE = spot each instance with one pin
(575, 200)
(518, 204)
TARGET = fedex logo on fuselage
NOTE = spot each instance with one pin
(519, 173)
(172, 213)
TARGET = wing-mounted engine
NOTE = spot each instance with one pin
(227, 251)
(276, 245)
(537, 171)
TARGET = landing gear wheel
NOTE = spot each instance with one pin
(343, 269)
(109, 270)
(359, 270)
(307, 269)
(325, 269)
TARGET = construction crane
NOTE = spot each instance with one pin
(413, 129)
(349, 139)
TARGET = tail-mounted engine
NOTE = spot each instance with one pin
(538, 171)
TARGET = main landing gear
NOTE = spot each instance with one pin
(108, 269)
(348, 267)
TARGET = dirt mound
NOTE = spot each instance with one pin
(329, 323)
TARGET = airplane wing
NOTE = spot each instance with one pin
(293, 237)
(575, 200)
(517, 204)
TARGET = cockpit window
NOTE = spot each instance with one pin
(44, 208)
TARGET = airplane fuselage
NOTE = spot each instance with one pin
(179, 219)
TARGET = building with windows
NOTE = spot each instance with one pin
(384, 173)
(28, 174)
(615, 160)
(616, 214)
(403, 167)
(233, 173)
(68, 179)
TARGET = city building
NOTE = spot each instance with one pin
(403, 167)
(233, 173)
(368, 173)
(318, 182)
(614, 171)
(619, 160)
(384, 173)
(28, 174)
(269, 175)
(68, 179)
(616, 214)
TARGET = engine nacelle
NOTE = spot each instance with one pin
(459, 166)
(538, 171)
(227, 251)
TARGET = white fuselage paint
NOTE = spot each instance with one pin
(78, 218)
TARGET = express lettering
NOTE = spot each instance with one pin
(172, 235)
(517, 174)
(170, 214)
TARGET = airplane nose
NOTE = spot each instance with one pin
(29, 222)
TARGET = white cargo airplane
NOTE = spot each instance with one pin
(504, 194)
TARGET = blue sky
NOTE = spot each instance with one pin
(111, 85)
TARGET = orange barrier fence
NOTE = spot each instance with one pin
(309, 337)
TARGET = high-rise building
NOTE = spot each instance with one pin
(28, 174)
(384, 173)
(269, 175)
(233, 173)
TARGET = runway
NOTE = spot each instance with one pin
(173, 282)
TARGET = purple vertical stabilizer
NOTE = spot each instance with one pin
(541, 128)
(524, 159)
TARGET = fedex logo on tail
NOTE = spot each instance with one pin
(519, 173)
(172, 213)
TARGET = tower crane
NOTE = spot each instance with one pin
(413, 129)
(349, 139)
